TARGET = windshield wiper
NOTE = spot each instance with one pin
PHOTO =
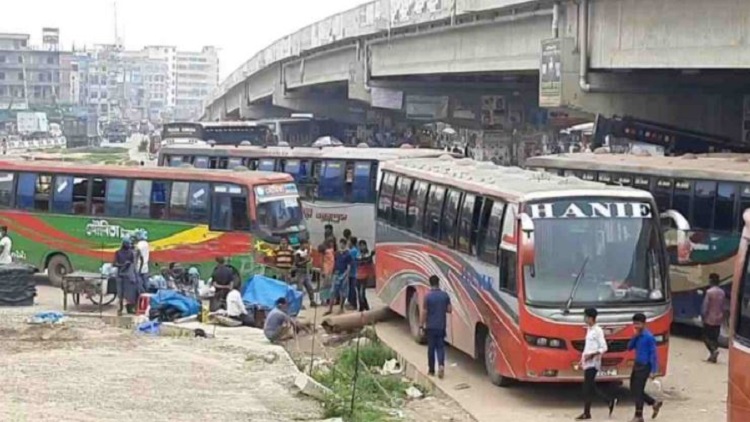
(577, 281)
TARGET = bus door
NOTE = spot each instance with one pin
(229, 210)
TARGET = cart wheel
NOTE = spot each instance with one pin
(76, 299)
(107, 299)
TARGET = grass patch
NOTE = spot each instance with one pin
(375, 394)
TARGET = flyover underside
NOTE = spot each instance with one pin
(488, 47)
(328, 67)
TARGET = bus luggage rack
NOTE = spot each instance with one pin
(613, 346)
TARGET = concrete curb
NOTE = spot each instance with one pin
(412, 371)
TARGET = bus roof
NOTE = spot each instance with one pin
(510, 183)
(216, 124)
(174, 173)
(718, 166)
(343, 153)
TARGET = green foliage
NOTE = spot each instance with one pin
(374, 394)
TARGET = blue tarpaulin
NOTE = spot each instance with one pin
(186, 305)
(263, 292)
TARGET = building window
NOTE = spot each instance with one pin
(2, 59)
(2, 76)
(51, 60)
(20, 76)
(20, 59)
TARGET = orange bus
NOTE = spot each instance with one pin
(521, 255)
(738, 401)
(70, 216)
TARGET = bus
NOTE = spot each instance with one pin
(216, 133)
(710, 190)
(65, 217)
(337, 185)
(738, 400)
(522, 254)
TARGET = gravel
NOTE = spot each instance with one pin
(85, 370)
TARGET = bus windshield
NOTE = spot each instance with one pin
(278, 208)
(594, 251)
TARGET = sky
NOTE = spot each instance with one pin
(239, 28)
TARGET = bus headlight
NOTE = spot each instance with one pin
(661, 339)
(548, 342)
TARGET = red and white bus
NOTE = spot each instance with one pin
(521, 255)
(338, 185)
(738, 402)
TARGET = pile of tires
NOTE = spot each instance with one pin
(17, 287)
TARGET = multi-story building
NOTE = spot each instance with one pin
(30, 76)
(197, 74)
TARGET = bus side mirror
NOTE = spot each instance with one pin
(526, 240)
(682, 227)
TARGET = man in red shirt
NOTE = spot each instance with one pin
(713, 316)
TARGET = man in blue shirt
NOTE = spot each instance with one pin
(646, 365)
(435, 307)
(353, 296)
(342, 269)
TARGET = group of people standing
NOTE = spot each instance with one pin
(346, 271)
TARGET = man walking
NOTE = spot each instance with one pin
(713, 316)
(591, 361)
(646, 366)
(302, 261)
(435, 307)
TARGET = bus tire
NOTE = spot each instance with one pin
(489, 364)
(57, 267)
(412, 315)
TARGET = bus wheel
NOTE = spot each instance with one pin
(413, 318)
(490, 355)
(57, 267)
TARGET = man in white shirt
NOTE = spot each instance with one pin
(236, 307)
(591, 361)
(6, 246)
(144, 251)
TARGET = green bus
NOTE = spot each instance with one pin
(65, 216)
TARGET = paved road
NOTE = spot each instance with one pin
(694, 391)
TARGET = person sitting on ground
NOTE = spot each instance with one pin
(236, 309)
(279, 326)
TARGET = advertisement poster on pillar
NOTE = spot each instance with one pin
(550, 74)
(359, 218)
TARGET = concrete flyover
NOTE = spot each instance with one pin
(682, 62)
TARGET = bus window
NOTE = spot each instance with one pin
(116, 201)
(98, 196)
(229, 210)
(267, 164)
(742, 323)
(703, 204)
(159, 195)
(361, 187)
(663, 194)
(62, 196)
(80, 195)
(234, 163)
(198, 202)
(508, 257)
(623, 180)
(292, 167)
(450, 214)
(6, 189)
(386, 196)
(175, 161)
(25, 193)
(331, 185)
(252, 164)
(201, 163)
(589, 175)
(140, 201)
(682, 196)
(42, 192)
(400, 199)
(724, 208)
(744, 203)
(489, 231)
(415, 209)
(605, 178)
(468, 221)
(178, 201)
(433, 212)
(641, 182)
